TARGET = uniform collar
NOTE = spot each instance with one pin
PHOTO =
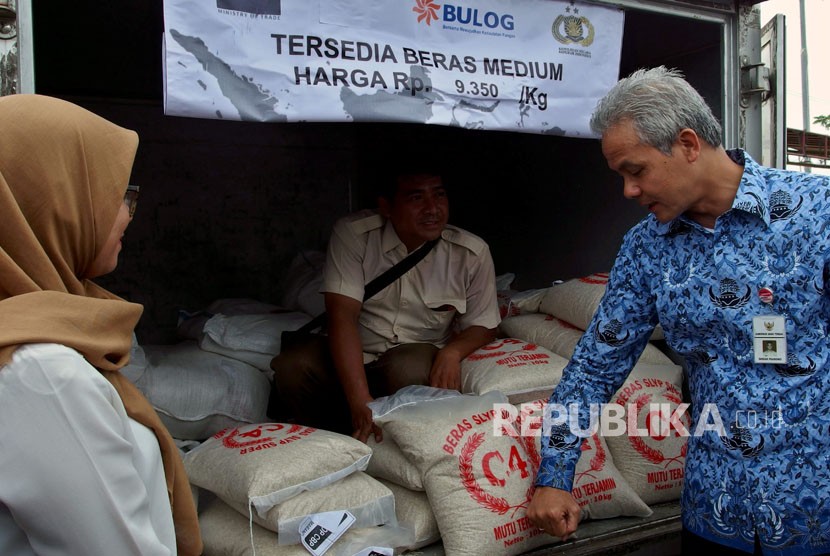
(390, 240)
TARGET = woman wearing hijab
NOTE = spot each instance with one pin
(86, 466)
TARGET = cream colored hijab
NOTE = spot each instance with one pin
(63, 175)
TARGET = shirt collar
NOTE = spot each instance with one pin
(753, 192)
(390, 240)
(752, 196)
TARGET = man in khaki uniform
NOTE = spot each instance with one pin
(415, 331)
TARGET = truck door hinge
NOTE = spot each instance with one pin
(8, 21)
(755, 79)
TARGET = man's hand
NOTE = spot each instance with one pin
(554, 511)
(446, 371)
(362, 423)
(347, 355)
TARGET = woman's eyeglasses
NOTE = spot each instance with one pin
(131, 198)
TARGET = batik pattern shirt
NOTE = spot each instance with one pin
(766, 471)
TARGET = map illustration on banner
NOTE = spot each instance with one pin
(536, 66)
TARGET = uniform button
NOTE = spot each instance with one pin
(404, 303)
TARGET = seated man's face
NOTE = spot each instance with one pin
(419, 211)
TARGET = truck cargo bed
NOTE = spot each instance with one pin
(657, 535)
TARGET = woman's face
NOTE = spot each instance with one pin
(107, 259)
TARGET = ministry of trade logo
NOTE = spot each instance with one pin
(257, 7)
(571, 28)
(427, 10)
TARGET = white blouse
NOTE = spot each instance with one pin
(77, 476)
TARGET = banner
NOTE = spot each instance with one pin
(517, 65)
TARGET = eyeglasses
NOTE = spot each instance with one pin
(131, 198)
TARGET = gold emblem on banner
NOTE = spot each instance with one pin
(569, 29)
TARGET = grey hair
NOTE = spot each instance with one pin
(660, 103)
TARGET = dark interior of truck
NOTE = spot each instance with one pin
(226, 205)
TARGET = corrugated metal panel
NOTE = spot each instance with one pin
(805, 148)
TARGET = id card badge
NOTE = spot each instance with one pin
(769, 338)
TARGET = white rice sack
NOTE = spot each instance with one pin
(561, 337)
(302, 282)
(653, 459)
(479, 484)
(506, 307)
(369, 501)
(138, 362)
(576, 300)
(226, 532)
(254, 339)
(259, 360)
(545, 330)
(197, 393)
(409, 395)
(512, 303)
(414, 512)
(388, 462)
(528, 301)
(257, 333)
(191, 323)
(520, 370)
(232, 306)
(599, 487)
(268, 463)
(504, 281)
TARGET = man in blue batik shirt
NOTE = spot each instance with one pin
(726, 241)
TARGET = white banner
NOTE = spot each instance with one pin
(518, 65)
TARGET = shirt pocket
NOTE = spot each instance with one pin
(441, 310)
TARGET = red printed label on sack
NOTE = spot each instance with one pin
(599, 278)
(523, 359)
(510, 352)
(506, 306)
(256, 438)
(500, 480)
(664, 445)
(665, 479)
(590, 486)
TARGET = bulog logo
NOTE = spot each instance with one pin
(427, 11)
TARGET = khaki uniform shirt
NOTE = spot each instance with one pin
(456, 279)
